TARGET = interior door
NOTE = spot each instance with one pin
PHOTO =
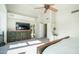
(45, 30)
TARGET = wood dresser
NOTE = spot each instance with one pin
(18, 35)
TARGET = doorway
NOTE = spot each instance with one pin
(45, 30)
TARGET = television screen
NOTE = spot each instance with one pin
(22, 26)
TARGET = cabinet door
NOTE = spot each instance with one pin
(29, 35)
(18, 36)
(24, 35)
(11, 36)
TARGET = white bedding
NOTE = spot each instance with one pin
(67, 46)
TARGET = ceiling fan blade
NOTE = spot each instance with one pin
(48, 6)
(53, 9)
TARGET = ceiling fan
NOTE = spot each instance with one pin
(48, 7)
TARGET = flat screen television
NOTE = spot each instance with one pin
(22, 26)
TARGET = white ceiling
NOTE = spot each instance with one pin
(29, 9)
(25, 9)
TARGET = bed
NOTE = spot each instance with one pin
(68, 46)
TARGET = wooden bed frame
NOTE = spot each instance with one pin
(42, 47)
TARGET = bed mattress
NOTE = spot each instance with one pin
(67, 46)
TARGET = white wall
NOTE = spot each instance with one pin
(67, 22)
(46, 18)
(13, 18)
(39, 30)
(3, 21)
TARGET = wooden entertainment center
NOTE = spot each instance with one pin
(18, 35)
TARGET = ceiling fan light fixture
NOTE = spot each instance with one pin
(49, 7)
